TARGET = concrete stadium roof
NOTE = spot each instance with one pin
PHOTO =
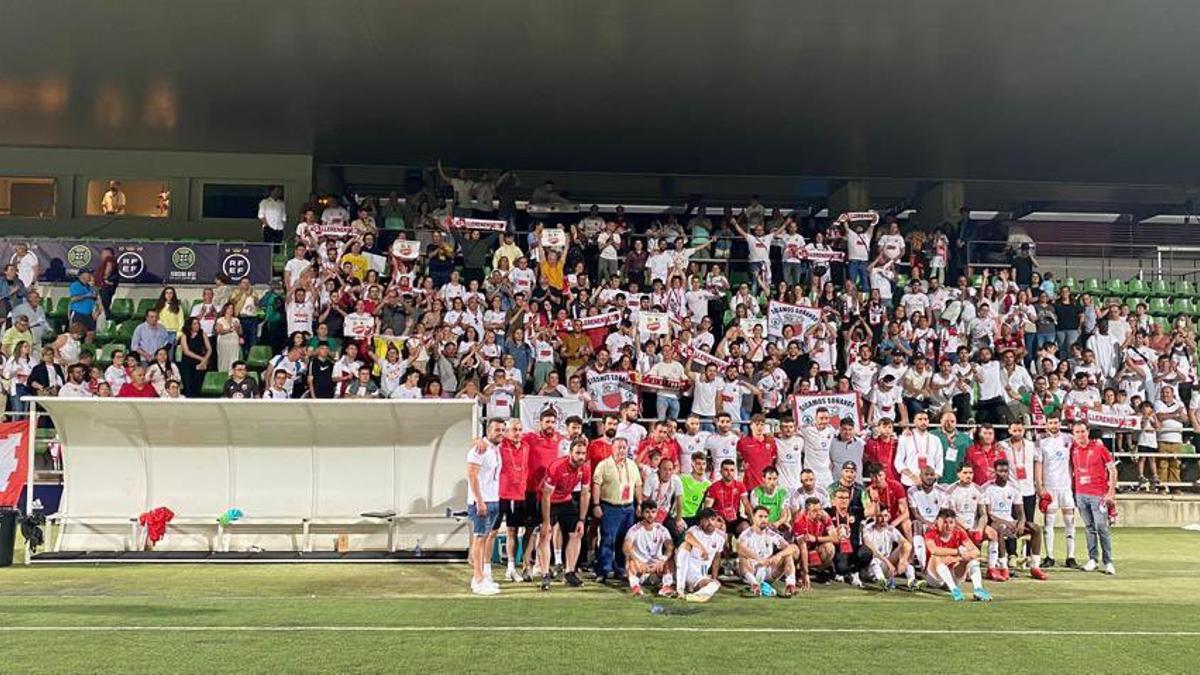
(1074, 90)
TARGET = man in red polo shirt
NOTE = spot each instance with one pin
(514, 470)
(560, 509)
(757, 451)
(543, 449)
(1095, 488)
(983, 455)
(814, 535)
(660, 439)
(728, 497)
(600, 448)
(881, 449)
(137, 387)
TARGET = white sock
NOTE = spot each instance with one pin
(1069, 533)
(854, 577)
(558, 556)
(790, 579)
(750, 578)
(635, 581)
(947, 577)
(876, 569)
(910, 573)
(976, 577)
(710, 589)
(1035, 561)
(1002, 560)
(668, 580)
(919, 549)
(487, 571)
(1051, 519)
(681, 567)
(760, 574)
(993, 554)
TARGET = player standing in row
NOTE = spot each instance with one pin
(483, 505)
(560, 508)
(1052, 481)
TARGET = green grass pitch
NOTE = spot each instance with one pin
(420, 618)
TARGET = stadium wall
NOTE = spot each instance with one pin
(279, 462)
(186, 173)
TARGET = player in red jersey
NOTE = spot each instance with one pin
(814, 535)
(728, 497)
(757, 451)
(952, 557)
(982, 455)
(560, 508)
(886, 494)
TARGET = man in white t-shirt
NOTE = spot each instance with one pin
(721, 445)
(988, 375)
(483, 505)
(917, 449)
(858, 252)
(758, 244)
(817, 439)
(1006, 515)
(789, 457)
(28, 267)
(1052, 481)
(765, 556)
(659, 264)
(648, 550)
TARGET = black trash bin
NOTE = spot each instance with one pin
(8, 536)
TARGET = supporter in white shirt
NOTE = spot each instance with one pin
(917, 449)
(272, 214)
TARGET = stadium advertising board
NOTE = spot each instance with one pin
(154, 262)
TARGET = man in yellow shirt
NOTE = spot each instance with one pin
(509, 250)
(616, 489)
(358, 261)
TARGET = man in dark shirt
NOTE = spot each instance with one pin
(1068, 315)
(1024, 263)
(320, 374)
(239, 385)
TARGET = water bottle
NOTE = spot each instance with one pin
(417, 552)
(657, 609)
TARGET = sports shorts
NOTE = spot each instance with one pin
(565, 515)
(1061, 498)
(515, 513)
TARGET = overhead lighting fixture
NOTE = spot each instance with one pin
(906, 214)
(983, 215)
(1168, 219)
(1072, 217)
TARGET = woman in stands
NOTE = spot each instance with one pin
(245, 303)
(16, 373)
(170, 310)
(162, 370)
(229, 338)
(197, 355)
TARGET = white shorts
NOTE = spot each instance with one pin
(696, 570)
(934, 581)
(1061, 498)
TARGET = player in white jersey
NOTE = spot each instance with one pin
(808, 488)
(698, 559)
(764, 556)
(925, 500)
(1052, 481)
(691, 439)
(891, 553)
(789, 459)
(816, 446)
(648, 550)
(721, 445)
(1006, 514)
(966, 499)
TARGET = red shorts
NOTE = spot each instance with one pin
(977, 537)
(814, 559)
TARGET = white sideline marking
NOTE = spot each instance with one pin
(596, 629)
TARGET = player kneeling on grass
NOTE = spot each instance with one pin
(891, 554)
(765, 556)
(698, 559)
(648, 551)
(1007, 517)
(952, 557)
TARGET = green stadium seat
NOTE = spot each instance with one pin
(1160, 288)
(1115, 287)
(214, 382)
(901, 281)
(1182, 305)
(124, 332)
(1069, 283)
(259, 357)
(976, 280)
(1136, 287)
(1158, 307)
(106, 352)
(144, 305)
(1185, 288)
(122, 308)
(1132, 302)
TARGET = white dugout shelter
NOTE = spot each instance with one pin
(310, 477)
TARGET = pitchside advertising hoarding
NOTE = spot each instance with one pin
(154, 262)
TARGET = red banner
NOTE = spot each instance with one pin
(1098, 419)
(456, 223)
(591, 322)
(14, 461)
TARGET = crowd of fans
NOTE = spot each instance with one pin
(668, 318)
